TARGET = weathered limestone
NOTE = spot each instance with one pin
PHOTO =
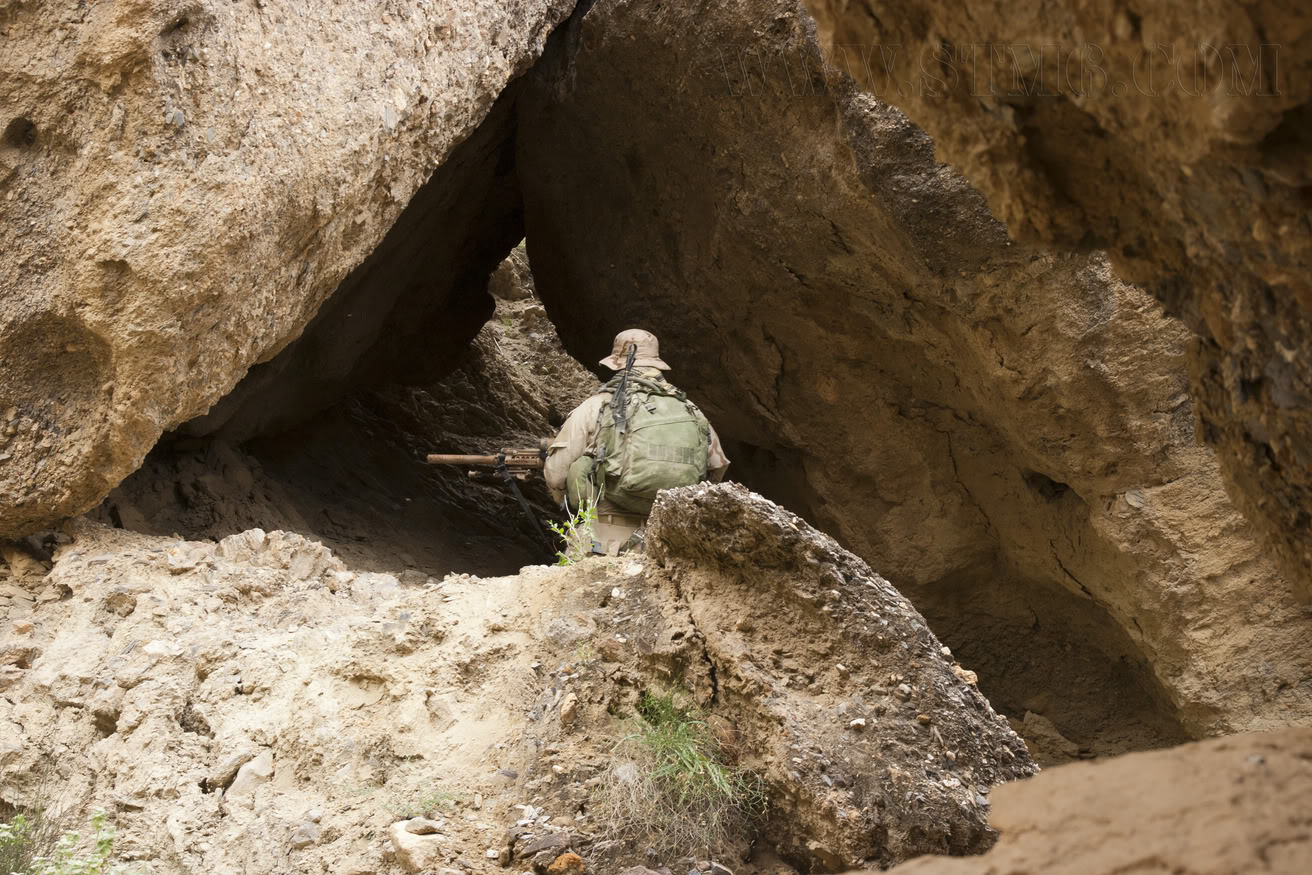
(1174, 135)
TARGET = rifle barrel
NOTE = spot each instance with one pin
(516, 457)
(439, 459)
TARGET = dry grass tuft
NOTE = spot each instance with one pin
(671, 791)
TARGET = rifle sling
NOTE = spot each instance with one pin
(523, 502)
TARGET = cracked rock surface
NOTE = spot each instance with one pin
(1175, 135)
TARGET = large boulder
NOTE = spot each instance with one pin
(875, 745)
(1174, 135)
(1005, 432)
(185, 182)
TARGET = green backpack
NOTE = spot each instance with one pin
(664, 446)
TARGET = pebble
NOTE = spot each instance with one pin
(306, 834)
(858, 723)
(422, 826)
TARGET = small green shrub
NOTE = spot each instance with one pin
(584, 654)
(430, 802)
(673, 792)
(575, 535)
(26, 848)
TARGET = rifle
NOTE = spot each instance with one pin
(513, 464)
(519, 461)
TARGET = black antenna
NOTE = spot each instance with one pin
(620, 401)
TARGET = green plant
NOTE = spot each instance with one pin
(575, 535)
(428, 803)
(584, 653)
(673, 792)
(26, 848)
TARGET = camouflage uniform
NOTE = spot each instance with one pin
(578, 437)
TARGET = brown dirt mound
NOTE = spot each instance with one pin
(1227, 806)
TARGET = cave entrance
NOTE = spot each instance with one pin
(352, 476)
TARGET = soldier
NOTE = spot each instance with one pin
(636, 436)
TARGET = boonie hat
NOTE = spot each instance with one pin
(647, 356)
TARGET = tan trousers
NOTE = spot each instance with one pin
(611, 531)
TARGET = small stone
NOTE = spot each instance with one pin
(162, 648)
(491, 853)
(251, 775)
(946, 651)
(422, 826)
(903, 692)
(965, 675)
(314, 815)
(554, 843)
(858, 723)
(569, 710)
(306, 834)
(478, 801)
(567, 864)
(924, 719)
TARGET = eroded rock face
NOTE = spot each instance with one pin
(1228, 806)
(185, 183)
(1174, 135)
(1003, 431)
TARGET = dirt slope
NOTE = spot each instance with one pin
(255, 705)
(1227, 806)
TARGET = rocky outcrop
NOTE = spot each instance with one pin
(1226, 806)
(834, 681)
(256, 705)
(186, 183)
(1005, 432)
(1174, 135)
(353, 476)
